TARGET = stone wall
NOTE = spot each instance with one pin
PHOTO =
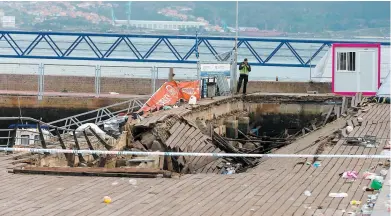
(136, 86)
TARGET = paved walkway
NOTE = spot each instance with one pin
(275, 187)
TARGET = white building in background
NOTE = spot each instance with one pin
(160, 25)
(8, 22)
(323, 69)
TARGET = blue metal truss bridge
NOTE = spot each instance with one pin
(282, 52)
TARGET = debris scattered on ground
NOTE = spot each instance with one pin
(350, 175)
(376, 183)
(349, 129)
(338, 195)
(114, 183)
(107, 199)
(307, 193)
(369, 175)
(114, 125)
(383, 172)
(355, 202)
(317, 164)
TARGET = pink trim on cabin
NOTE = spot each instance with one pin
(353, 45)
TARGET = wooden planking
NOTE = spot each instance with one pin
(326, 200)
(319, 181)
(167, 206)
(174, 127)
(297, 188)
(183, 142)
(170, 140)
(185, 200)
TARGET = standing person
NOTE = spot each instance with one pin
(244, 69)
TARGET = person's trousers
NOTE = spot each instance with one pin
(242, 78)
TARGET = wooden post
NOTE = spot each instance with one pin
(96, 157)
(67, 155)
(337, 111)
(81, 159)
(343, 105)
(107, 146)
(41, 137)
(328, 115)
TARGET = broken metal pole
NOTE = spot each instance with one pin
(107, 146)
(96, 157)
(81, 159)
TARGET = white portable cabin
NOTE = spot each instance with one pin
(354, 68)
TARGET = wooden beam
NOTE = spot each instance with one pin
(328, 116)
(96, 157)
(337, 111)
(81, 159)
(41, 137)
(67, 155)
(352, 102)
(343, 105)
(107, 146)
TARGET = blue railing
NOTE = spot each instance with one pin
(162, 48)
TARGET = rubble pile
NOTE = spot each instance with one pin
(172, 133)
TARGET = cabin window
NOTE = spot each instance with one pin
(346, 61)
(24, 139)
(36, 139)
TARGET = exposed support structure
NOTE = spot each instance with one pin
(62, 46)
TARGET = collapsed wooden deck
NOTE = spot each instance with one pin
(275, 187)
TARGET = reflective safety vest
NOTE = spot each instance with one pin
(244, 70)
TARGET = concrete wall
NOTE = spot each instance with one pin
(11, 101)
(287, 108)
(136, 86)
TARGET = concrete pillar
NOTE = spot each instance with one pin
(231, 128)
(244, 124)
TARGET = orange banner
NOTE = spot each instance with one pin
(170, 92)
(189, 89)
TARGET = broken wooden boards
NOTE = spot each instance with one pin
(186, 137)
(176, 134)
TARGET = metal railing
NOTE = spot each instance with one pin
(99, 115)
(139, 48)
